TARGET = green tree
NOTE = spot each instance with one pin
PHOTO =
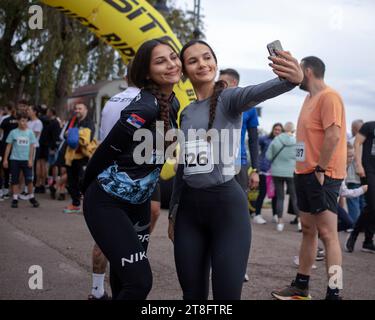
(45, 65)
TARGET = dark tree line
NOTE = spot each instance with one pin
(45, 65)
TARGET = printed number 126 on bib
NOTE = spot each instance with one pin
(198, 157)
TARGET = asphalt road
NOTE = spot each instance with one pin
(61, 245)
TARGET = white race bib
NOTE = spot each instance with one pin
(23, 141)
(198, 157)
(300, 151)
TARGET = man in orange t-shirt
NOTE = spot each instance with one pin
(320, 170)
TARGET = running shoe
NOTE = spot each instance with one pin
(296, 262)
(295, 221)
(40, 189)
(52, 191)
(275, 219)
(320, 255)
(350, 242)
(246, 278)
(331, 297)
(259, 220)
(34, 203)
(24, 196)
(105, 296)
(280, 227)
(14, 204)
(299, 226)
(368, 247)
(6, 196)
(72, 209)
(291, 293)
(61, 197)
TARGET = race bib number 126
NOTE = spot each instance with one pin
(198, 157)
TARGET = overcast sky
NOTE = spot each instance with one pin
(340, 32)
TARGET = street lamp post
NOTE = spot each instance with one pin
(162, 7)
(197, 13)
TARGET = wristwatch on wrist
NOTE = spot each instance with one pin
(319, 169)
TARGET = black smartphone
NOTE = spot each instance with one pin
(275, 45)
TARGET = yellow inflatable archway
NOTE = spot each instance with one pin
(125, 25)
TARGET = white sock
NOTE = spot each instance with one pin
(97, 285)
(15, 197)
(31, 195)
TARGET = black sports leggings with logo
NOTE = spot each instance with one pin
(121, 231)
(212, 231)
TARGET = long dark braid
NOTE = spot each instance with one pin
(164, 106)
(218, 89)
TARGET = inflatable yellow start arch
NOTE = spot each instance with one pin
(125, 25)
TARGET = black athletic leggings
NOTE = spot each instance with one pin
(212, 230)
(262, 195)
(121, 231)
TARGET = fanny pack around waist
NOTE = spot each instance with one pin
(121, 186)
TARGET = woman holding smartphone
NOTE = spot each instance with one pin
(209, 211)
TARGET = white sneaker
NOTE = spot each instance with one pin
(299, 227)
(246, 278)
(259, 220)
(296, 262)
(275, 219)
(24, 196)
(280, 227)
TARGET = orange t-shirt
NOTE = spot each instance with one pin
(317, 114)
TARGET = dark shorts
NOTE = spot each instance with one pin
(313, 197)
(156, 195)
(16, 166)
(43, 153)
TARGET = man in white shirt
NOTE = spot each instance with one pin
(112, 109)
(36, 125)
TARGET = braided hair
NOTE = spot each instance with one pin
(218, 87)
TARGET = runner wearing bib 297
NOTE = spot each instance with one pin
(320, 170)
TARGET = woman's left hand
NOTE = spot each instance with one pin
(287, 67)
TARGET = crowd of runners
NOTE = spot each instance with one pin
(223, 173)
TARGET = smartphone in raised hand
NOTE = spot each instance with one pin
(273, 46)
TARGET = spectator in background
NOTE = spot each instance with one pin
(364, 150)
(353, 181)
(42, 159)
(113, 107)
(20, 147)
(52, 132)
(8, 123)
(75, 169)
(282, 154)
(36, 126)
(264, 171)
